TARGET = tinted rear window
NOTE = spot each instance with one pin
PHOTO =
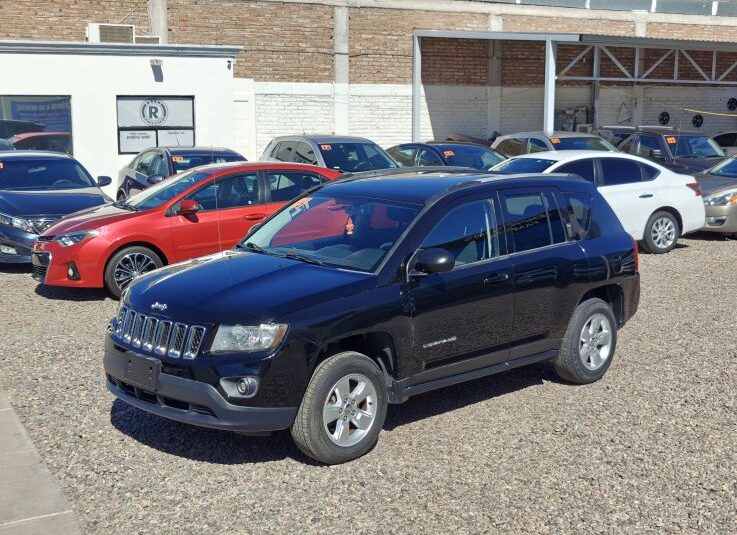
(351, 157)
(578, 207)
(581, 143)
(43, 174)
(182, 162)
(523, 165)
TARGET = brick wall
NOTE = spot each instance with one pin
(514, 23)
(381, 40)
(282, 41)
(66, 20)
(455, 61)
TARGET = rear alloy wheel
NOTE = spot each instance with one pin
(588, 345)
(661, 233)
(126, 265)
(343, 409)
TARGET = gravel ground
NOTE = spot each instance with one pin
(650, 448)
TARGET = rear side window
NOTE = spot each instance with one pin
(537, 145)
(618, 171)
(727, 140)
(582, 168)
(285, 186)
(557, 230)
(649, 172)
(528, 221)
(303, 153)
(647, 145)
(426, 157)
(284, 151)
(404, 155)
(512, 147)
(578, 207)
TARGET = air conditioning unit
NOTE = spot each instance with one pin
(110, 33)
(584, 128)
(148, 40)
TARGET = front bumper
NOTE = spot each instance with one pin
(721, 219)
(19, 240)
(86, 259)
(194, 402)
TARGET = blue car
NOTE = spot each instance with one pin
(37, 189)
(446, 153)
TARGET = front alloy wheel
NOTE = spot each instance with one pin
(128, 264)
(350, 410)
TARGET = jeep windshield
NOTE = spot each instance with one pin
(165, 190)
(694, 147)
(346, 232)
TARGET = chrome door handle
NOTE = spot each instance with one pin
(646, 195)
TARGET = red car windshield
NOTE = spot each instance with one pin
(166, 190)
(349, 232)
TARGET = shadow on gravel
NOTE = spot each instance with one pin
(16, 268)
(61, 293)
(223, 447)
(199, 443)
(458, 396)
(710, 236)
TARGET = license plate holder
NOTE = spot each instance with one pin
(143, 372)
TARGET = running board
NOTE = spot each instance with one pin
(399, 392)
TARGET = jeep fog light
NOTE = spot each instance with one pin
(240, 387)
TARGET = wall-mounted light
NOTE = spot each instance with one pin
(155, 62)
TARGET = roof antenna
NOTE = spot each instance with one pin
(302, 126)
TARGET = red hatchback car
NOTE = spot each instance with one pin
(195, 213)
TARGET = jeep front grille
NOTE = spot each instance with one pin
(157, 336)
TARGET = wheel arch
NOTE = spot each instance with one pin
(136, 243)
(612, 294)
(377, 345)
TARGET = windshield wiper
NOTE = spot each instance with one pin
(125, 206)
(302, 258)
(251, 247)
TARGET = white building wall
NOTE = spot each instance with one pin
(94, 81)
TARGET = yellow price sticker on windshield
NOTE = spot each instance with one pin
(448, 153)
(554, 140)
(1, 165)
(178, 159)
(671, 140)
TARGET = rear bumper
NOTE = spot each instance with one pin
(721, 219)
(694, 219)
(19, 240)
(194, 402)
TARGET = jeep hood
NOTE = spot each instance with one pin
(240, 287)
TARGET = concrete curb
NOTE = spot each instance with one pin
(30, 499)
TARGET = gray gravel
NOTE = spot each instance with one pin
(651, 448)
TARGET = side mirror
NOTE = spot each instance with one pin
(433, 260)
(154, 179)
(103, 181)
(656, 153)
(188, 207)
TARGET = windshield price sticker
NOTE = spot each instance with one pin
(671, 140)
(326, 147)
(555, 140)
(178, 159)
(1, 165)
(448, 153)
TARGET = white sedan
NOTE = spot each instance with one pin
(654, 204)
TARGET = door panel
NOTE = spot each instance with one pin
(468, 310)
(544, 265)
(230, 206)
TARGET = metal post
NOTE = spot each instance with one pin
(416, 88)
(158, 23)
(549, 101)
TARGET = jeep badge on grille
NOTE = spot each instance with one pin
(159, 306)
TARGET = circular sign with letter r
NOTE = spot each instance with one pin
(153, 111)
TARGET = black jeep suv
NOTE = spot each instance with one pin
(368, 291)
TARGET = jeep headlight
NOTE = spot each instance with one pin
(65, 240)
(25, 225)
(722, 199)
(248, 338)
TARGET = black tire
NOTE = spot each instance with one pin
(311, 433)
(138, 252)
(648, 242)
(569, 364)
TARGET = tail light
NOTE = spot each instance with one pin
(636, 252)
(696, 187)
